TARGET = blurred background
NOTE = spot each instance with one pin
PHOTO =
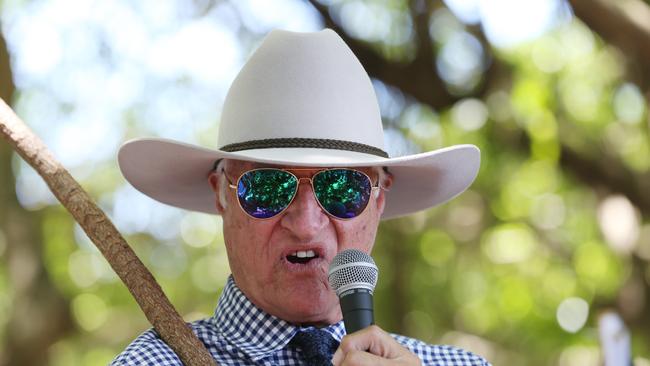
(555, 230)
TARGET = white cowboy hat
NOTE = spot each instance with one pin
(302, 99)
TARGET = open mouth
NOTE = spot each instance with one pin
(302, 256)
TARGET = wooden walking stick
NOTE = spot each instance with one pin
(137, 278)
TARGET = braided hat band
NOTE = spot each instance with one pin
(305, 143)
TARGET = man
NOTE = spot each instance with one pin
(300, 175)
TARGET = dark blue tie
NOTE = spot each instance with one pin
(317, 346)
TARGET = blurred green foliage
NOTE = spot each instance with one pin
(487, 271)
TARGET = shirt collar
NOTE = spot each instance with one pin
(253, 331)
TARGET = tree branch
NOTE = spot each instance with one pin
(626, 25)
(142, 285)
(608, 173)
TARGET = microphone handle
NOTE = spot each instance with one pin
(357, 309)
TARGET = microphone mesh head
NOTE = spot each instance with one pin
(350, 269)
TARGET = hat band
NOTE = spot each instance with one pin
(307, 143)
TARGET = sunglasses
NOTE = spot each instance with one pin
(342, 193)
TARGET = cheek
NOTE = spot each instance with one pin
(358, 233)
(236, 236)
(246, 239)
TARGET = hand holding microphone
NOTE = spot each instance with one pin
(353, 276)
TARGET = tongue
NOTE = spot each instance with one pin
(294, 259)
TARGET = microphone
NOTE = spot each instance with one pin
(353, 276)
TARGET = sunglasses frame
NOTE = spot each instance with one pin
(295, 193)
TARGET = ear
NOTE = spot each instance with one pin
(381, 201)
(217, 188)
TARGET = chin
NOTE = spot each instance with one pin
(315, 307)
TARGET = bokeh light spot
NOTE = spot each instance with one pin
(580, 355)
(509, 243)
(469, 114)
(581, 99)
(199, 229)
(460, 62)
(210, 272)
(548, 55)
(477, 317)
(169, 259)
(629, 104)
(619, 223)
(572, 314)
(98, 356)
(437, 247)
(548, 211)
(469, 286)
(82, 268)
(509, 22)
(443, 24)
(499, 106)
(90, 311)
(369, 21)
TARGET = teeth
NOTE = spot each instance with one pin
(304, 254)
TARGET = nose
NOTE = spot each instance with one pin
(304, 217)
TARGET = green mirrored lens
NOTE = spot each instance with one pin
(264, 193)
(344, 193)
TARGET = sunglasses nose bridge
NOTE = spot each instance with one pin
(311, 184)
(304, 215)
(304, 178)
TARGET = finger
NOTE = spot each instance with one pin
(360, 358)
(338, 357)
(374, 340)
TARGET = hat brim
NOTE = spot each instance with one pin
(176, 173)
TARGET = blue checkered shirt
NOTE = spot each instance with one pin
(239, 333)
